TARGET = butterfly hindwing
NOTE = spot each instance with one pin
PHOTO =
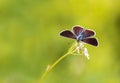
(68, 34)
(92, 41)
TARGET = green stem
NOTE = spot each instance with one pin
(71, 50)
(51, 67)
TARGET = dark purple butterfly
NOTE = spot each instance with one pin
(81, 34)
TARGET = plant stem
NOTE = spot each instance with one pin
(51, 67)
(70, 51)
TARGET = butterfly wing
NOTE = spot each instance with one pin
(77, 30)
(89, 33)
(91, 41)
(68, 34)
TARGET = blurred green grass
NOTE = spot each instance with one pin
(29, 40)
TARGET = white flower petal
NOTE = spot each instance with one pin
(86, 53)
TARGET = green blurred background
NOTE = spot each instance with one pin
(29, 40)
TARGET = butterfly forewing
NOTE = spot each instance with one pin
(68, 34)
(89, 33)
(92, 41)
(77, 30)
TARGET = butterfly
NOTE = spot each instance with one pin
(81, 34)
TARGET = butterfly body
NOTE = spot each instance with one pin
(81, 34)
